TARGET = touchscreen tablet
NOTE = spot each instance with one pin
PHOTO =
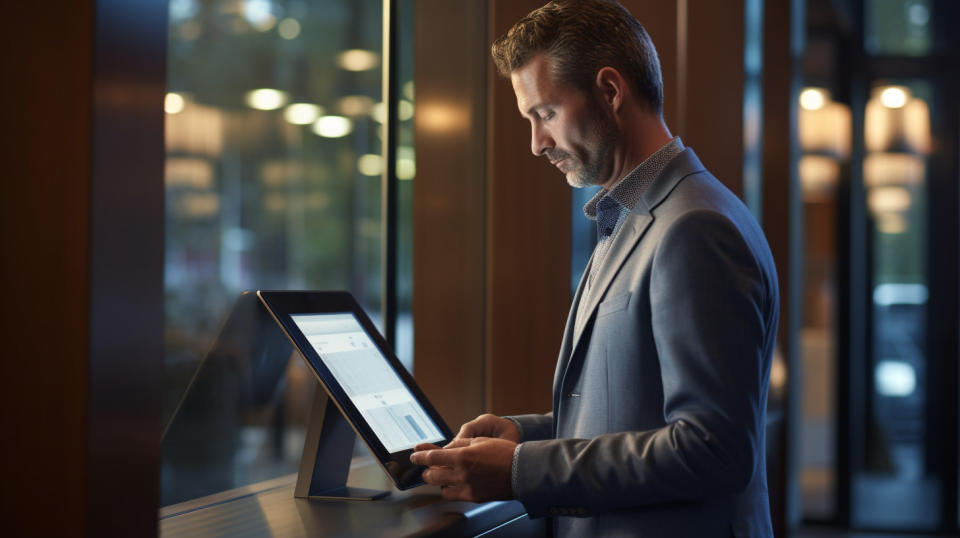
(362, 376)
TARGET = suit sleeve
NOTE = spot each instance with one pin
(534, 427)
(709, 304)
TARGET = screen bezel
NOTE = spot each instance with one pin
(283, 304)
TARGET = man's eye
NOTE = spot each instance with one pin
(548, 115)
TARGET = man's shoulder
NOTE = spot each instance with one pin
(700, 190)
(702, 198)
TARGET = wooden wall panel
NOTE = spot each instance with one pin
(714, 79)
(660, 21)
(528, 249)
(701, 49)
(449, 205)
(44, 226)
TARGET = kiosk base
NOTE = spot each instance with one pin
(347, 493)
(327, 452)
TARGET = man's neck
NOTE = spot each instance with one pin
(643, 136)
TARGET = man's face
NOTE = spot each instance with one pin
(568, 126)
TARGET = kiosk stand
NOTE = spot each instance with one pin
(327, 451)
(239, 378)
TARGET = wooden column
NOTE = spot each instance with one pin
(44, 237)
(712, 71)
(81, 207)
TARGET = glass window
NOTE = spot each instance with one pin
(273, 181)
(583, 235)
(897, 487)
(898, 27)
(825, 142)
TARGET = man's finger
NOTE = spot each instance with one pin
(438, 457)
(425, 446)
(460, 442)
(450, 493)
(465, 430)
(442, 476)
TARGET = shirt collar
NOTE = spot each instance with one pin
(627, 192)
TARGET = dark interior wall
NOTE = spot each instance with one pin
(44, 226)
(81, 231)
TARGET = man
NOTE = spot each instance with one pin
(660, 391)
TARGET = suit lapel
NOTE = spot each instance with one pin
(634, 227)
(566, 346)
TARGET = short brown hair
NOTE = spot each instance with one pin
(581, 37)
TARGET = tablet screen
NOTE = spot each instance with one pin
(373, 386)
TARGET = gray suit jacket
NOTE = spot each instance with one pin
(659, 398)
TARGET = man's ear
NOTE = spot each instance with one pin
(612, 87)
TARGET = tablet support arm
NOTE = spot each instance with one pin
(327, 451)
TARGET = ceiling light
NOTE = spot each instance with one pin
(302, 113)
(355, 105)
(288, 28)
(893, 97)
(266, 99)
(358, 60)
(333, 126)
(173, 103)
(813, 98)
(370, 164)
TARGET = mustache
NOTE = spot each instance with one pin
(555, 155)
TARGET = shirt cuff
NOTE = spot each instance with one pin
(514, 475)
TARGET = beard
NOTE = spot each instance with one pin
(593, 166)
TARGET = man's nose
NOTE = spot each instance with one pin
(539, 140)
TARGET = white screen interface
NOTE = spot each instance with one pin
(373, 386)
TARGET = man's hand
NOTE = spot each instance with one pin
(487, 426)
(477, 470)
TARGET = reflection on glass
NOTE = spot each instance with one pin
(896, 488)
(271, 137)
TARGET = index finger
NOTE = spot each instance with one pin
(432, 458)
